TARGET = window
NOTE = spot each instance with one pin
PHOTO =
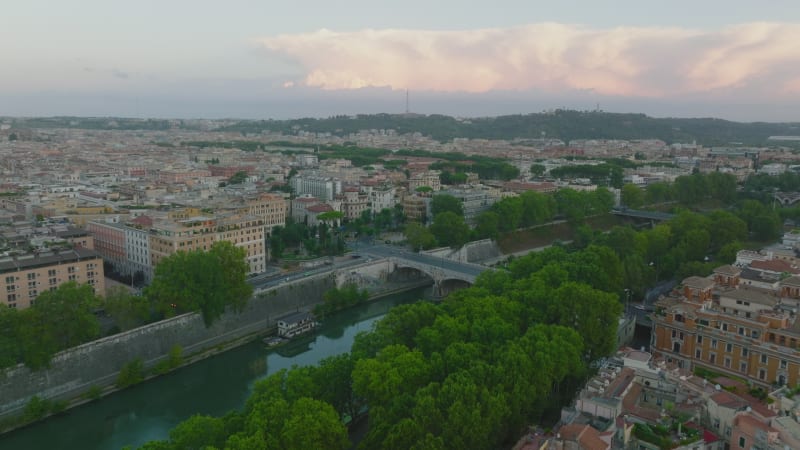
(763, 358)
(742, 441)
(729, 347)
(674, 333)
(743, 367)
(53, 281)
(9, 280)
(783, 364)
(745, 352)
(699, 339)
(762, 374)
(32, 276)
(72, 278)
(727, 362)
(698, 354)
(755, 334)
(31, 284)
(71, 269)
(724, 327)
(712, 358)
(741, 331)
(713, 343)
(12, 298)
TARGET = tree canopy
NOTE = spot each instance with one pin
(205, 281)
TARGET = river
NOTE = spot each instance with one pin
(213, 386)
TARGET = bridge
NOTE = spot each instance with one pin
(645, 215)
(443, 271)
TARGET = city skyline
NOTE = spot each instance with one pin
(198, 60)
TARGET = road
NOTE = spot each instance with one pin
(386, 251)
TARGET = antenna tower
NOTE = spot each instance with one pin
(406, 101)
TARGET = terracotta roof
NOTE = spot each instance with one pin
(728, 400)
(319, 208)
(775, 265)
(143, 220)
(587, 437)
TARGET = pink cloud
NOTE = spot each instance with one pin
(656, 62)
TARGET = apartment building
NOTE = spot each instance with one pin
(22, 278)
(429, 178)
(354, 202)
(323, 188)
(727, 327)
(201, 232)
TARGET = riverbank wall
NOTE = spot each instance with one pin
(73, 372)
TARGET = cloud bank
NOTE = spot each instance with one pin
(754, 60)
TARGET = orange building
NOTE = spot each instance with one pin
(22, 278)
(732, 329)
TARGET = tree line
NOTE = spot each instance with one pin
(209, 282)
(448, 227)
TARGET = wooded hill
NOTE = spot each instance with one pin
(566, 125)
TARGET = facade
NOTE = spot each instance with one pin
(381, 198)
(729, 328)
(270, 208)
(354, 203)
(137, 249)
(428, 178)
(323, 188)
(474, 202)
(22, 278)
(416, 207)
(201, 232)
(110, 242)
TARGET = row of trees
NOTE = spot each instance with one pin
(688, 190)
(528, 209)
(471, 372)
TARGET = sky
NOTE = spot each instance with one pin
(734, 59)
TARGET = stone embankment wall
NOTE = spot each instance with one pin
(471, 252)
(98, 363)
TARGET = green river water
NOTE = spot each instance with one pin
(213, 386)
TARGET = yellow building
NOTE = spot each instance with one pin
(201, 232)
(731, 329)
(22, 278)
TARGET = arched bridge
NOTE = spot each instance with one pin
(647, 215)
(442, 270)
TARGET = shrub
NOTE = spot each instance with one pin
(131, 373)
(93, 393)
(36, 408)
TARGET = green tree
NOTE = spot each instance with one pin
(444, 202)
(197, 433)
(487, 225)
(450, 229)
(205, 281)
(128, 310)
(313, 424)
(538, 170)
(238, 178)
(59, 319)
(632, 196)
(10, 349)
(418, 236)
